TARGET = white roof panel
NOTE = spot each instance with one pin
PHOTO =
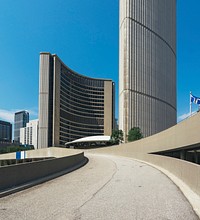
(90, 139)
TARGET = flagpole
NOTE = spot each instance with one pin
(190, 104)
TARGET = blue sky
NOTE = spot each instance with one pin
(84, 34)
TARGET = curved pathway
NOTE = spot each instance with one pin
(107, 187)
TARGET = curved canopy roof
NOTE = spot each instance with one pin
(100, 138)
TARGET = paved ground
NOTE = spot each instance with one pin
(106, 188)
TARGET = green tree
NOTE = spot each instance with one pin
(134, 134)
(117, 136)
(14, 148)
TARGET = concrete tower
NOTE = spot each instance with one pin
(147, 77)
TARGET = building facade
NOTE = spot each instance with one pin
(72, 106)
(147, 75)
(21, 118)
(29, 134)
(5, 132)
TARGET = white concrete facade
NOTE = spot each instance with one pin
(29, 134)
(147, 75)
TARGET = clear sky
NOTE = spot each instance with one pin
(84, 34)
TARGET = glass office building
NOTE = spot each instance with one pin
(71, 105)
(5, 132)
(21, 118)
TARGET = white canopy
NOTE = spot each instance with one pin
(100, 138)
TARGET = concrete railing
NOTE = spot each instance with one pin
(185, 133)
(184, 174)
(185, 171)
(182, 135)
(16, 177)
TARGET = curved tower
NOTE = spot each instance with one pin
(147, 78)
(72, 106)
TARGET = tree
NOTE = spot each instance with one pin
(15, 148)
(134, 134)
(117, 136)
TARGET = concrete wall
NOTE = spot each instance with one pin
(187, 172)
(14, 176)
(56, 100)
(44, 97)
(45, 152)
(185, 133)
(108, 107)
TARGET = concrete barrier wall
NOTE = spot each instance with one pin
(45, 152)
(186, 133)
(187, 172)
(15, 175)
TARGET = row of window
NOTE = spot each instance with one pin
(5, 132)
(80, 103)
(79, 109)
(80, 113)
(82, 97)
(67, 128)
(67, 122)
(81, 93)
(81, 106)
(70, 131)
(85, 112)
(81, 81)
(82, 120)
(76, 87)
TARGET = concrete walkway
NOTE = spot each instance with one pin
(107, 188)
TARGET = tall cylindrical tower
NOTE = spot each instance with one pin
(147, 76)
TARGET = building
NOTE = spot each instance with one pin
(29, 134)
(21, 118)
(72, 106)
(5, 132)
(147, 76)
